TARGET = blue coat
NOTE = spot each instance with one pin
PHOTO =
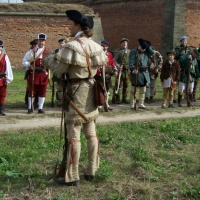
(140, 61)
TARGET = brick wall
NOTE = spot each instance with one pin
(131, 19)
(193, 22)
(18, 31)
(151, 20)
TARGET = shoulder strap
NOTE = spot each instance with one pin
(87, 56)
(40, 54)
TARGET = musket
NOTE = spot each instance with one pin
(52, 93)
(32, 83)
(135, 87)
(106, 94)
(114, 96)
(188, 85)
(119, 79)
(60, 171)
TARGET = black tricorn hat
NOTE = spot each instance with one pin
(80, 18)
(144, 43)
(34, 42)
(1, 43)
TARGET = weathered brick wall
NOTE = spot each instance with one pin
(18, 31)
(131, 19)
(193, 22)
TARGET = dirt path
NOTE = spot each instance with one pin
(19, 119)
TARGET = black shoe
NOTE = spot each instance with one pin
(41, 111)
(118, 102)
(180, 105)
(2, 113)
(61, 181)
(171, 106)
(125, 101)
(142, 108)
(89, 177)
(30, 111)
(163, 106)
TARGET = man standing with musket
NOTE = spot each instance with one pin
(189, 73)
(155, 64)
(6, 76)
(138, 63)
(38, 77)
(80, 59)
(196, 80)
(109, 70)
(121, 59)
(179, 51)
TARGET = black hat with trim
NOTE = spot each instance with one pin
(42, 36)
(80, 18)
(144, 43)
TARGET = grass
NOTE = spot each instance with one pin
(142, 160)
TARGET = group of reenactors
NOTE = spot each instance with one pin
(179, 73)
(141, 66)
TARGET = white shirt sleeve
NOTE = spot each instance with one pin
(9, 73)
(25, 62)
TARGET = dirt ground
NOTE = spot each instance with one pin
(19, 119)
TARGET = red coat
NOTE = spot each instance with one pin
(110, 67)
(40, 78)
(3, 69)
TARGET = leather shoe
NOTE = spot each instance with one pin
(143, 108)
(171, 106)
(89, 177)
(61, 181)
(2, 113)
(30, 111)
(41, 111)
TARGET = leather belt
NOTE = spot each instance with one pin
(78, 80)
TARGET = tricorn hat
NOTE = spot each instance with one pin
(171, 52)
(144, 43)
(105, 42)
(1, 43)
(42, 36)
(34, 42)
(124, 39)
(80, 18)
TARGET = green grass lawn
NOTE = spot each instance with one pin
(140, 160)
